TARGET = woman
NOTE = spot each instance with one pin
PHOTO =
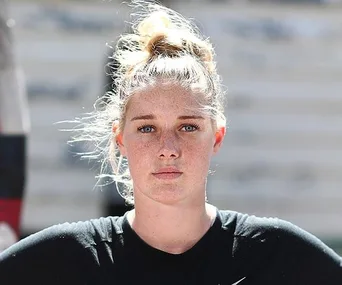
(163, 124)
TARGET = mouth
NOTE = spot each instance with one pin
(167, 173)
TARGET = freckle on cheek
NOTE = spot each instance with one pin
(143, 145)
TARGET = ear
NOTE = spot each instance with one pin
(117, 136)
(219, 136)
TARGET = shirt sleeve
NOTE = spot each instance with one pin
(274, 251)
(302, 258)
(52, 256)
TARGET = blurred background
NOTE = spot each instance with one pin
(282, 64)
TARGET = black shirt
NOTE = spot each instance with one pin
(107, 251)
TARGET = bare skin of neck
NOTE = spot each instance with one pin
(171, 228)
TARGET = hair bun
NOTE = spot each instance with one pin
(164, 34)
(159, 44)
(157, 34)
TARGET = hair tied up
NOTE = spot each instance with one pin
(160, 45)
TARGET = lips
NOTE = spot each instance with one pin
(167, 173)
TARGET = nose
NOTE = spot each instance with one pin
(169, 146)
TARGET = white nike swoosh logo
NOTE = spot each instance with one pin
(238, 282)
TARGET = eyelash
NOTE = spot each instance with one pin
(195, 126)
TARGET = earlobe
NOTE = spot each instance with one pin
(120, 145)
(219, 136)
(118, 138)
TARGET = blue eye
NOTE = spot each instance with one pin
(190, 128)
(146, 129)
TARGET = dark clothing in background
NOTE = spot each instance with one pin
(106, 251)
(14, 126)
(12, 179)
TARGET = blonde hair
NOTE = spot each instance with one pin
(162, 45)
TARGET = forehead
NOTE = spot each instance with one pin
(165, 98)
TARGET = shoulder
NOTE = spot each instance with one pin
(281, 232)
(72, 236)
(273, 234)
(250, 226)
(280, 246)
(90, 232)
(68, 251)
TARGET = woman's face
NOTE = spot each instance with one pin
(168, 143)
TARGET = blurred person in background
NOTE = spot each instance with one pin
(13, 134)
(159, 130)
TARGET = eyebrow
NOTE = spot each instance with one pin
(151, 117)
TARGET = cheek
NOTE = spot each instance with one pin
(138, 159)
(199, 152)
(138, 148)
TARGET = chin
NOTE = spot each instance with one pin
(168, 195)
(167, 201)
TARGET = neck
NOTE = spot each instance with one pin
(171, 228)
